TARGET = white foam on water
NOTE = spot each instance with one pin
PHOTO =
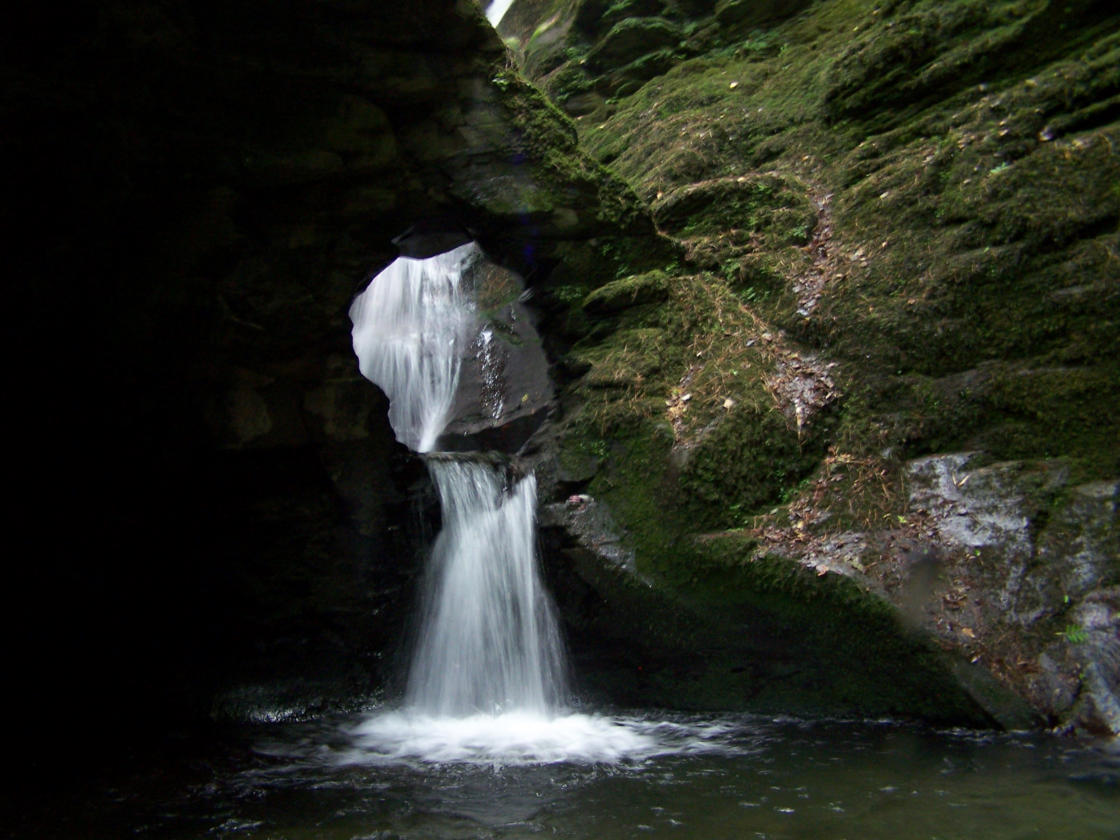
(517, 738)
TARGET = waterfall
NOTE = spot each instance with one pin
(409, 336)
(488, 641)
(496, 10)
(487, 678)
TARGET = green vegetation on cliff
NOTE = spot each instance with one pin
(927, 194)
(899, 234)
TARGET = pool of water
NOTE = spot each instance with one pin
(629, 776)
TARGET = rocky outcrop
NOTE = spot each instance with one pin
(504, 392)
(746, 629)
(1028, 568)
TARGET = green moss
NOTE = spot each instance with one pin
(764, 204)
(972, 233)
(942, 179)
(630, 77)
(633, 37)
(753, 12)
(625, 359)
(570, 80)
(638, 289)
(744, 463)
(1057, 412)
(883, 63)
(619, 10)
(547, 137)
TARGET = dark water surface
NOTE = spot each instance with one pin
(736, 777)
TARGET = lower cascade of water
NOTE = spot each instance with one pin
(488, 640)
(487, 682)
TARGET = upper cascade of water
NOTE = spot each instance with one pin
(496, 10)
(410, 330)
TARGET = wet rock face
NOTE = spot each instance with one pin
(589, 525)
(504, 389)
(971, 508)
(1030, 571)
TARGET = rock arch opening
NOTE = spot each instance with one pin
(451, 341)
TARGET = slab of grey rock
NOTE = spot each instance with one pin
(590, 525)
(1053, 569)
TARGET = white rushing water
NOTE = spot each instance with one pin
(487, 680)
(488, 640)
(519, 738)
(409, 335)
(496, 10)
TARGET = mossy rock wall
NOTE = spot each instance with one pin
(898, 228)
